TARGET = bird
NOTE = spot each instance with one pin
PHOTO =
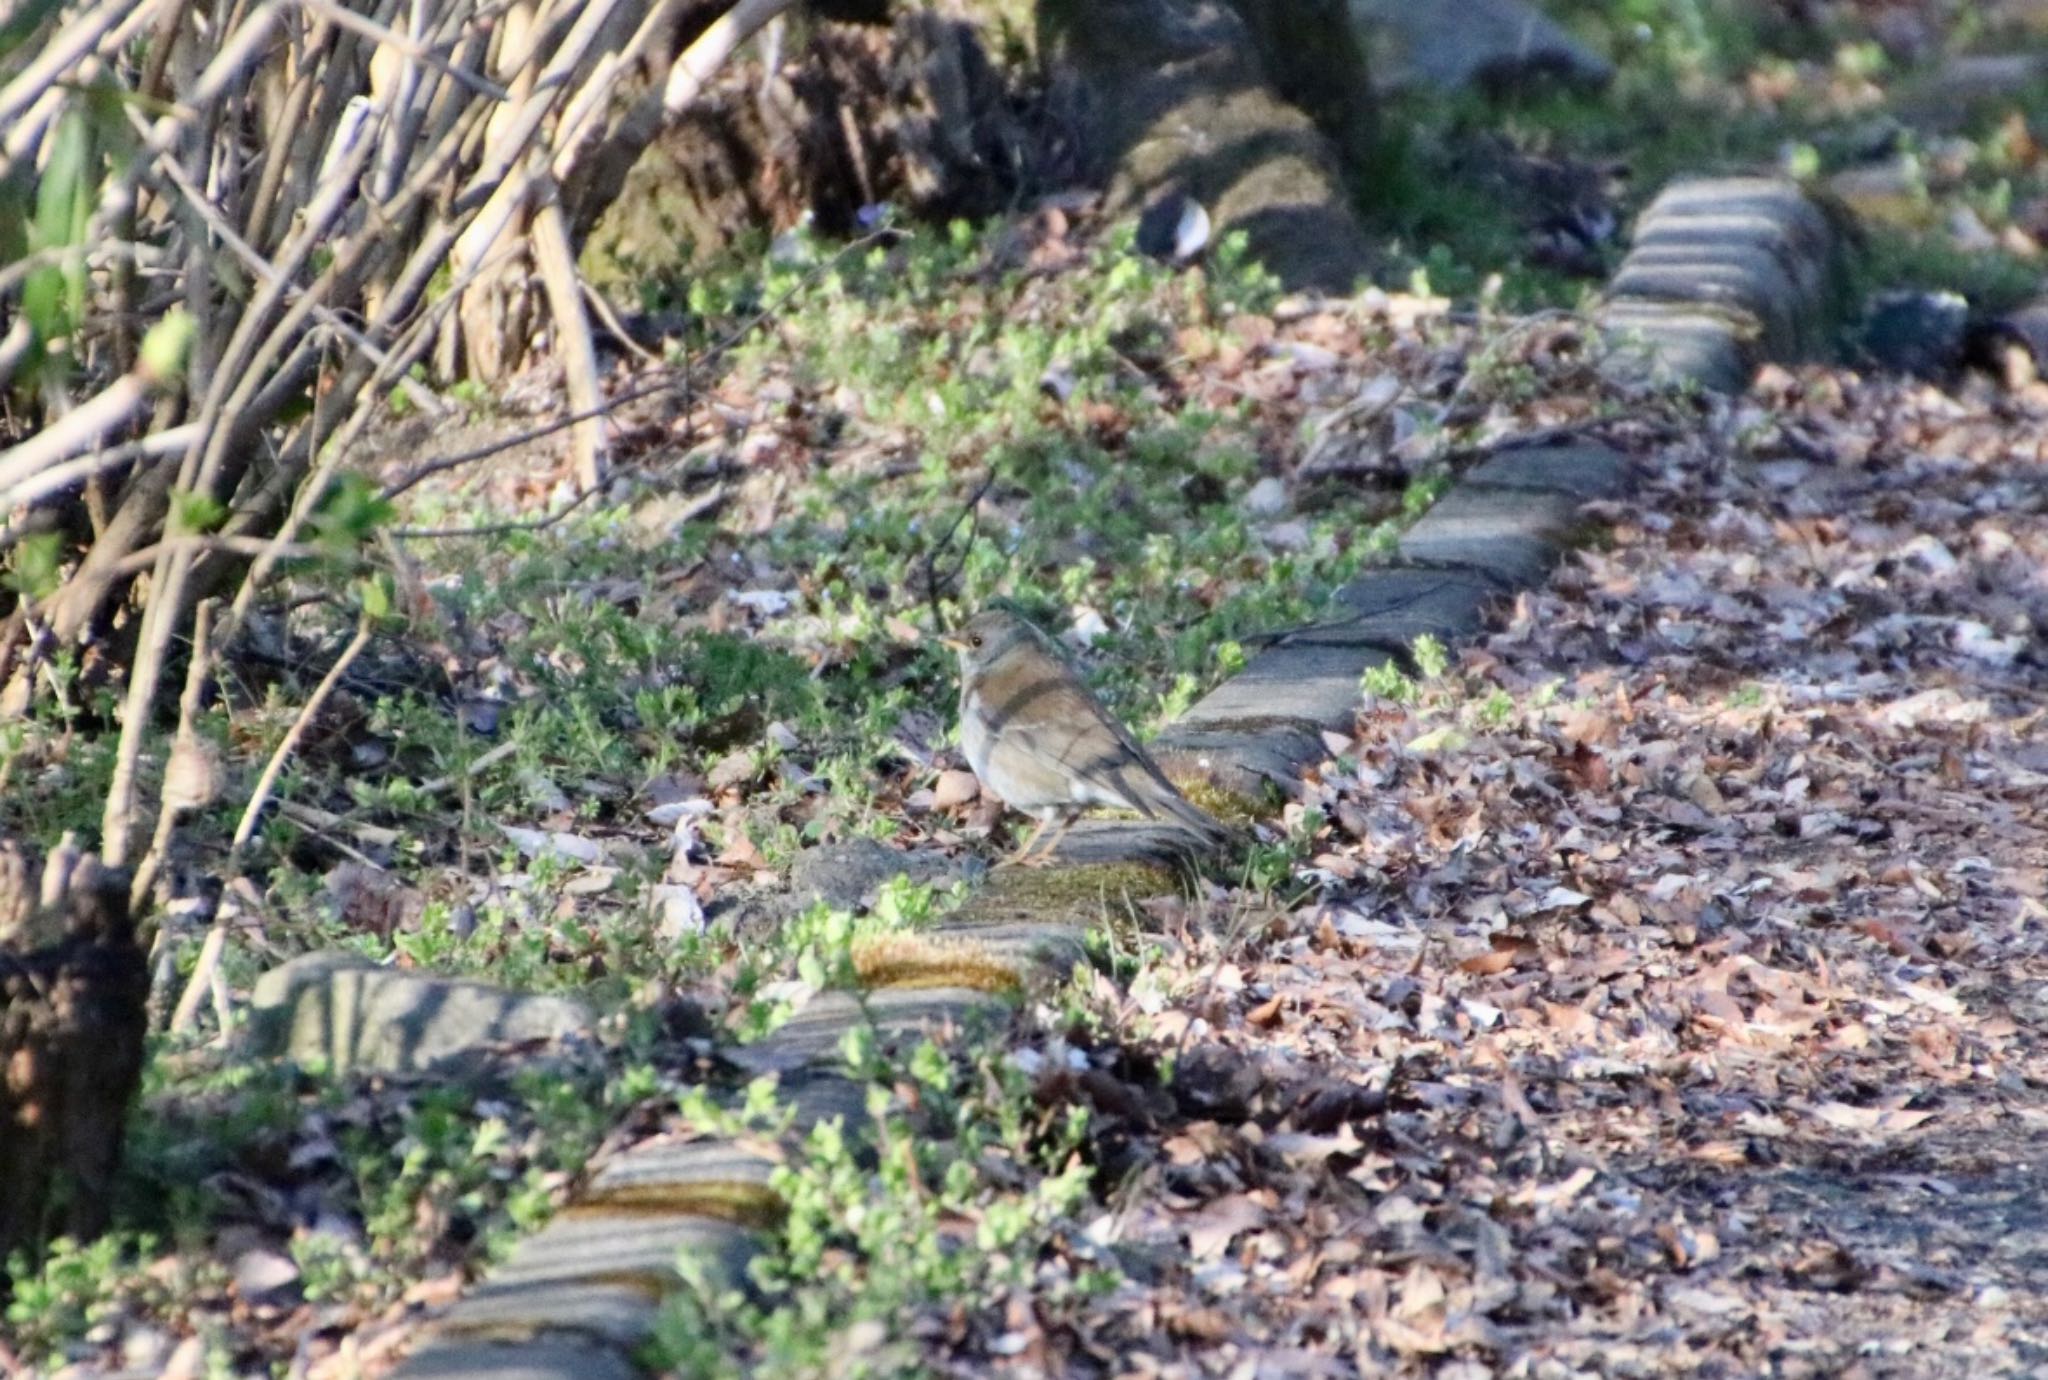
(1038, 738)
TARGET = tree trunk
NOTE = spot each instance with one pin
(73, 987)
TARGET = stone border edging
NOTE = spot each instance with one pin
(1723, 273)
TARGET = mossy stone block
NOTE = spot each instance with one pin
(903, 1017)
(352, 1014)
(1512, 537)
(582, 1245)
(1311, 684)
(1244, 769)
(617, 1315)
(1389, 607)
(813, 1035)
(1735, 277)
(1652, 340)
(543, 1358)
(711, 1178)
(992, 956)
(816, 1096)
(1583, 470)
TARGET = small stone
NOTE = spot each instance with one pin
(1266, 499)
(733, 770)
(536, 843)
(1311, 359)
(849, 875)
(1484, 44)
(954, 788)
(1969, 231)
(259, 1274)
(1286, 536)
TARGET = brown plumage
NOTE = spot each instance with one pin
(1036, 736)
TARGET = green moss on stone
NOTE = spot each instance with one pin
(1071, 893)
(1232, 807)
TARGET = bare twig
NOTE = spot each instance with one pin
(58, 478)
(188, 716)
(71, 42)
(311, 708)
(83, 427)
(324, 822)
(418, 52)
(232, 545)
(484, 762)
(971, 508)
(703, 58)
(608, 317)
(556, 261)
(117, 821)
(271, 277)
(418, 475)
(497, 529)
(201, 981)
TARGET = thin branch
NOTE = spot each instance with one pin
(703, 58)
(265, 783)
(114, 407)
(201, 981)
(972, 507)
(497, 529)
(188, 715)
(224, 543)
(608, 317)
(71, 42)
(421, 473)
(418, 52)
(117, 821)
(270, 276)
(323, 822)
(57, 478)
(556, 260)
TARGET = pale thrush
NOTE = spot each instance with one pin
(1036, 736)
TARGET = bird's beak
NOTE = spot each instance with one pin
(952, 643)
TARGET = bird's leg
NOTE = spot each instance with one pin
(1017, 859)
(1066, 821)
(1063, 819)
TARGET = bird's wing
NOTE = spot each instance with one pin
(1071, 726)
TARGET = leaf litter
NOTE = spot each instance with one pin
(1675, 1012)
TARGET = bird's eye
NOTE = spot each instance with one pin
(975, 640)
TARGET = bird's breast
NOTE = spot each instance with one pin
(975, 739)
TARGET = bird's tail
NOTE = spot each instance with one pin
(1210, 831)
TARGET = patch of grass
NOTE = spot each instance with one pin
(1990, 279)
(80, 1286)
(817, 948)
(965, 1198)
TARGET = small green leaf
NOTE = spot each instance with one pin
(378, 596)
(1431, 657)
(37, 562)
(194, 514)
(64, 202)
(351, 512)
(168, 348)
(811, 970)
(1445, 739)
